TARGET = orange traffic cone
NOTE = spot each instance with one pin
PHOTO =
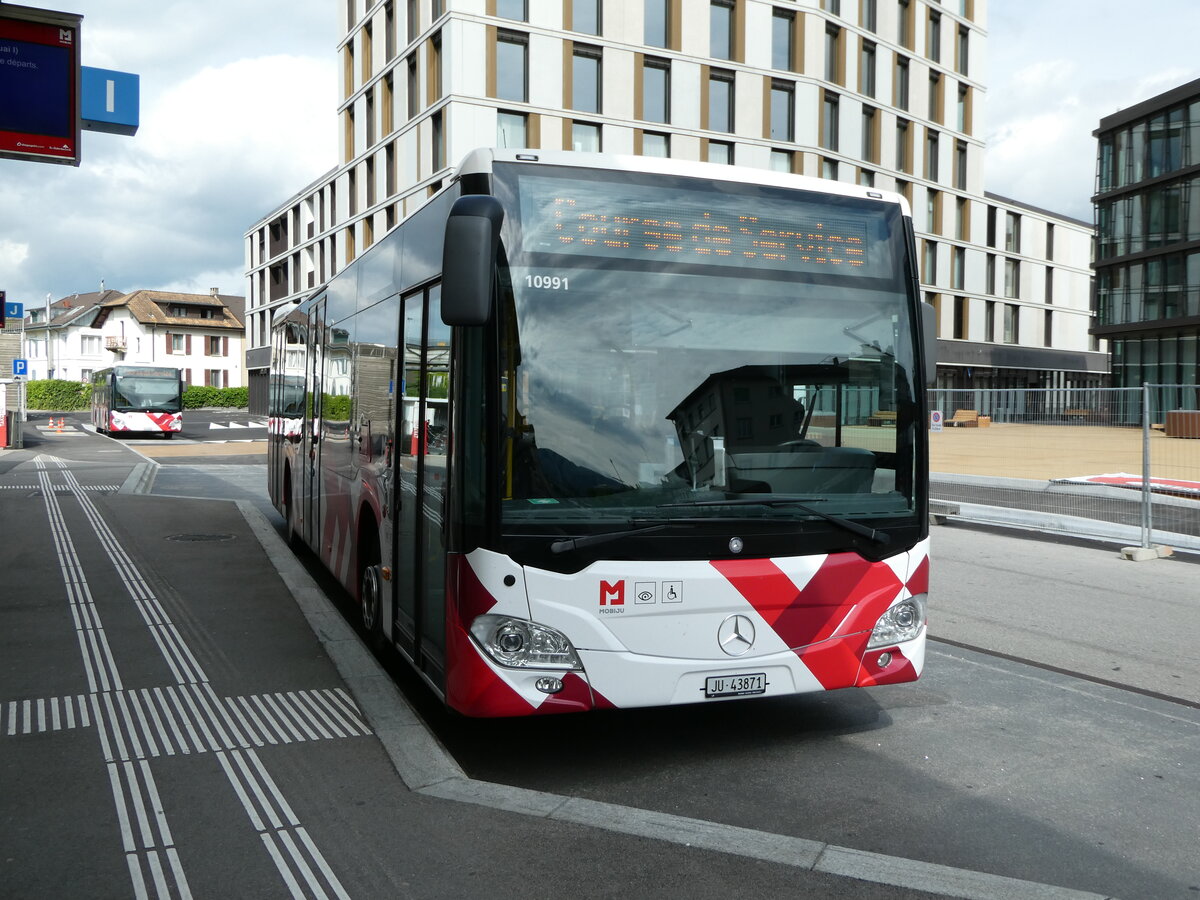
(61, 423)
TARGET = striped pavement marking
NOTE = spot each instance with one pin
(136, 726)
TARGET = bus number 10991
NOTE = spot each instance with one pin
(547, 282)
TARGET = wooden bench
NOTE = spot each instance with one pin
(1079, 414)
(967, 418)
(882, 417)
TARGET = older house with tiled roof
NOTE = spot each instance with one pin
(201, 334)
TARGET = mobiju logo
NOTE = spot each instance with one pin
(612, 594)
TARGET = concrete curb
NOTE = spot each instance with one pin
(428, 769)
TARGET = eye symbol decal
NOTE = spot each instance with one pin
(646, 596)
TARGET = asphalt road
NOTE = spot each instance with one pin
(1052, 740)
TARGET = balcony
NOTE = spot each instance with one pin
(115, 344)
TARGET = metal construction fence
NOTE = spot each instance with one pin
(1118, 463)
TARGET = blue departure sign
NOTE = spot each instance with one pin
(39, 81)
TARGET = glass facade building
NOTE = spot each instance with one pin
(1147, 262)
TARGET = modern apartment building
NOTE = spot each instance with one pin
(880, 92)
(1148, 240)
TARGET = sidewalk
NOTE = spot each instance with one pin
(1049, 452)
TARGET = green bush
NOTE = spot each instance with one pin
(58, 395)
(198, 397)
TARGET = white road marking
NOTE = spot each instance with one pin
(135, 726)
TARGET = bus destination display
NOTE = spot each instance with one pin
(704, 228)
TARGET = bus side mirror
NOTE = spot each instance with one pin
(468, 259)
(929, 342)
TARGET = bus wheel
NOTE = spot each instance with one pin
(370, 594)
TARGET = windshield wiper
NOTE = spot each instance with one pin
(588, 540)
(851, 526)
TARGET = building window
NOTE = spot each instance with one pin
(1048, 329)
(935, 96)
(868, 14)
(585, 137)
(989, 321)
(585, 16)
(720, 152)
(962, 219)
(782, 160)
(933, 38)
(783, 108)
(512, 9)
(833, 7)
(933, 209)
(1050, 239)
(870, 135)
(720, 101)
(512, 129)
(1012, 324)
(176, 343)
(960, 318)
(720, 35)
(929, 263)
(655, 144)
(413, 92)
(961, 110)
(866, 69)
(931, 155)
(903, 146)
(91, 345)
(657, 23)
(511, 66)
(833, 55)
(216, 378)
(829, 168)
(1012, 279)
(783, 24)
(829, 121)
(1012, 232)
(585, 79)
(438, 138)
(904, 28)
(901, 86)
(215, 346)
(958, 263)
(866, 178)
(960, 165)
(1049, 298)
(990, 273)
(656, 90)
(435, 67)
(964, 44)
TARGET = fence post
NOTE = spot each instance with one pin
(1146, 518)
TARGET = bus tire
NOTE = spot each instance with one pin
(370, 593)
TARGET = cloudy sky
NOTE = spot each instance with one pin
(237, 100)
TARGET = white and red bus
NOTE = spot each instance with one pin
(145, 399)
(590, 431)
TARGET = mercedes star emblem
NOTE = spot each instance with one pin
(736, 635)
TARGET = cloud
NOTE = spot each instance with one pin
(12, 254)
(1056, 70)
(167, 207)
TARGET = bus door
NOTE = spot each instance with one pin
(310, 482)
(422, 471)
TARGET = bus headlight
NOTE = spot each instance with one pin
(900, 623)
(521, 644)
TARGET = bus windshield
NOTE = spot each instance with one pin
(148, 390)
(670, 344)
